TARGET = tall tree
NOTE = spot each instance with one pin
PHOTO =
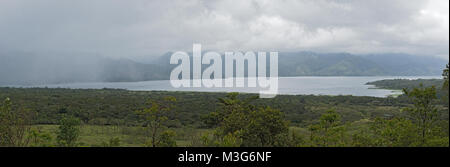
(396, 132)
(14, 125)
(424, 112)
(445, 75)
(156, 116)
(329, 131)
(239, 122)
(232, 114)
(264, 127)
(445, 86)
(68, 131)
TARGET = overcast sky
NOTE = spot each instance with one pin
(130, 28)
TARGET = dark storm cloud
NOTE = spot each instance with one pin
(151, 27)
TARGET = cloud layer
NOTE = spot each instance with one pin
(141, 27)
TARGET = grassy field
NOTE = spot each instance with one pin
(97, 135)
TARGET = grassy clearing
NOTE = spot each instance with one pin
(95, 135)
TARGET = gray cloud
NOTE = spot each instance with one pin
(140, 27)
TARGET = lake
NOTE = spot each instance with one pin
(355, 86)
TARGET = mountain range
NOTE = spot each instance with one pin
(28, 69)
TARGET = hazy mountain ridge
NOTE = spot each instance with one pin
(32, 69)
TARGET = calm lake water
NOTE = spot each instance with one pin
(355, 86)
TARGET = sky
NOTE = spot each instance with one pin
(133, 28)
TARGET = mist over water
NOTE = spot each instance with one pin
(22, 68)
(90, 71)
(355, 86)
(44, 68)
